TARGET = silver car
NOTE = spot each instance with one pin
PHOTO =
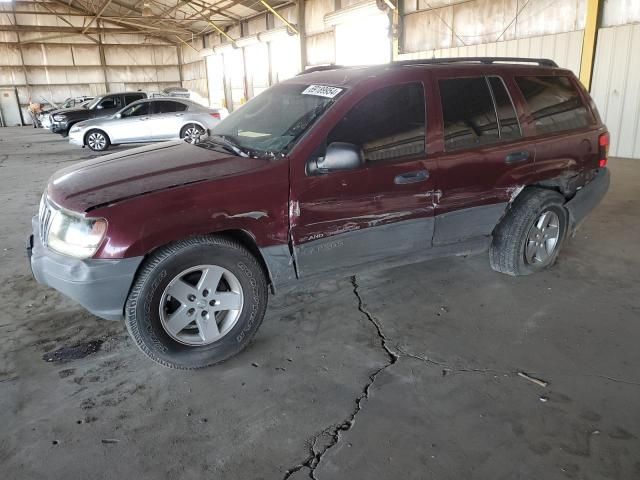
(149, 120)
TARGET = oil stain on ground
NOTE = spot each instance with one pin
(75, 352)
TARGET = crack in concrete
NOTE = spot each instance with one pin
(335, 432)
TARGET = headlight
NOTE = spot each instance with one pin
(73, 235)
(75, 128)
(59, 118)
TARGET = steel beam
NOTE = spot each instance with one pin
(592, 23)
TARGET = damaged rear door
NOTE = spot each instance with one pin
(484, 159)
(383, 209)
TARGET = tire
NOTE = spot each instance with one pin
(151, 307)
(191, 132)
(522, 243)
(97, 140)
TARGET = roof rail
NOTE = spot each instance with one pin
(544, 62)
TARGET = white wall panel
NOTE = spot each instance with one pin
(614, 88)
(564, 48)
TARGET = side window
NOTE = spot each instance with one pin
(555, 103)
(136, 110)
(132, 97)
(165, 106)
(507, 117)
(389, 123)
(109, 102)
(469, 115)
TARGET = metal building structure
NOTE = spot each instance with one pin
(227, 51)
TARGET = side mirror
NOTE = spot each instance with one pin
(118, 115)
(99, 107)
(339, 156)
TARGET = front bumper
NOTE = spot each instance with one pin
(588, 198)
(58, 127)
(101, 286)
(76, 138)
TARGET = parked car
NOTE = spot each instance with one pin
(102, 106)
(46, 115)
(149, 120)
(329, 173)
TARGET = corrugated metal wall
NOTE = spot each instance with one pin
(59, 66)
(564, 48)
(616, 87)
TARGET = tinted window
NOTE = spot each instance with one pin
(389, 123)
(555, 103)
(468, 113)
(136, 110)
(132, 97)
(109, 102)
(507, 117)
(166, 106)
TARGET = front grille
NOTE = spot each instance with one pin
(44, 219)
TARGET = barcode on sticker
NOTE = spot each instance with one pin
(322, 91)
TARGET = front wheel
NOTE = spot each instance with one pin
(196, 303)
(191, 133)
(97, 140)
(530, 236)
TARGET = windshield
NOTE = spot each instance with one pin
(94, 102)
(271, 122)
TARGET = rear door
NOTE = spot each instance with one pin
(380, 211)
(166, 119)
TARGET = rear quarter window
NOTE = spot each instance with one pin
(555, 103)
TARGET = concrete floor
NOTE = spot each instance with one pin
(406, 374)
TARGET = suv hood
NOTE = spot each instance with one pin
(118, 176)
(68, 110)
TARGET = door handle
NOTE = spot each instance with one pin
(179, 114)
(142, 119)
(516, 157)
(411, 177)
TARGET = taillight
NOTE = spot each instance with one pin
(603, 149)
(215, 115)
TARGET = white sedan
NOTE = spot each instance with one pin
(149, 120)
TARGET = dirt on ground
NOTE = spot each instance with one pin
(441, 370)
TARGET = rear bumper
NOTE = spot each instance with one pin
(588, 198)
(100, 286)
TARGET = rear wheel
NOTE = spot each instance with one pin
(97, 140)
(191, 133)
(530, 236)
(196, 303)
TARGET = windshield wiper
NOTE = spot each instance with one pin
(227, 144)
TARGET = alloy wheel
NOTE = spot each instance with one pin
(192, 134)
(543, 239)
(201, 305)
(96, 141)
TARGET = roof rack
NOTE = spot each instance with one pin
(543, 62)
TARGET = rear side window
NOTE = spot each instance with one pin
(469, 115)
(132, 97)
(166, 106)
(388, 123)
(554, 103)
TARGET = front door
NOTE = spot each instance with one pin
(381, 211)
(132, 126)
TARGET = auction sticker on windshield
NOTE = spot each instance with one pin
(322, 91)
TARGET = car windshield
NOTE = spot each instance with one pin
(94, 102)
(271, 122)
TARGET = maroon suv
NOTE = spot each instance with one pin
(331, 172)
